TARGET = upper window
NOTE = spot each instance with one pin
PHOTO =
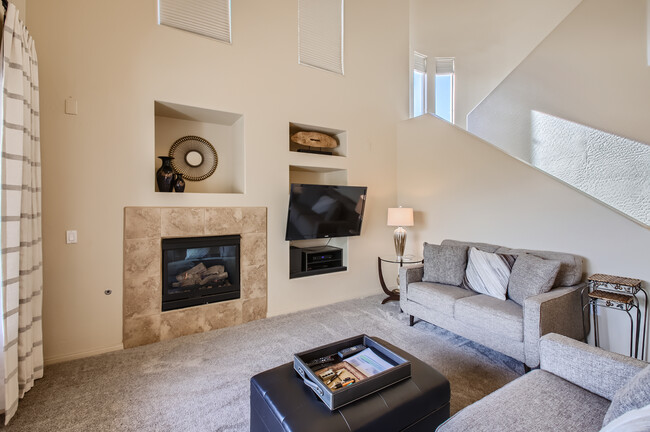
(444, 88)
(419, 84)
(320, 34)
(209, 18)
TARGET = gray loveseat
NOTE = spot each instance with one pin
(504, 325)
(575, 389)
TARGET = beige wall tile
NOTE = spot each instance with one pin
(177, 221)
(142, 296)
(220, 315)
(254, 220)
(223, 221)
(141, 222)
(200, 319)
(253, 281)
(142, 258)
(143, 321)
(254, 309)
(180, 322)
(141, 331)
(253, 249)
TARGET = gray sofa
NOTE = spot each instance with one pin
(503, 325)
(575, 389)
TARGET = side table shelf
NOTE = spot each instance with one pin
(619, 293)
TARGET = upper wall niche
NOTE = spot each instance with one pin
(224, 130)
(339, 135)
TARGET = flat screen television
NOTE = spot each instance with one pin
(323, 211)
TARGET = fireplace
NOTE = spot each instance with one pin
(200, 270)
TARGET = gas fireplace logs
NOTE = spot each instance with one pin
(201, 275)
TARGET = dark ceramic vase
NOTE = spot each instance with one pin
(165, 174)
(179, 183)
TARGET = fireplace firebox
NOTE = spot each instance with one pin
(199, 270)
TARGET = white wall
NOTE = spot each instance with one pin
(115, 60)
(589, 84)
(591, 70)
(487, 38)
(464, 188)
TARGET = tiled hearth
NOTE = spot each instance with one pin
(144, 227)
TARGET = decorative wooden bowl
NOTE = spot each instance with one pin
(314, 139)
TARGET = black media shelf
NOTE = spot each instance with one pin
(317, 272)
(313, 261)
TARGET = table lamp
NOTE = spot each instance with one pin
(400, 217)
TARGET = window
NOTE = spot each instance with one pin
(320, 34)
(209, 18)
(444, 88)
(419, 84)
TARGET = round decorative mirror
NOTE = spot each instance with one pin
(194, 157)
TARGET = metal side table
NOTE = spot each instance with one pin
(619, 293)
(393, 294)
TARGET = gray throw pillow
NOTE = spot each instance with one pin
(531, 276)
(633, 395)
(444, 264)
(488, 273)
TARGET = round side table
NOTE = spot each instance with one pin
(393, 294)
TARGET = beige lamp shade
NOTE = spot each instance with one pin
(400, 216)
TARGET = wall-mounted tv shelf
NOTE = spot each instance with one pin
(311, 261)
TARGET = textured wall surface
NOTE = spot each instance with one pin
(564, 77)
(610, 168)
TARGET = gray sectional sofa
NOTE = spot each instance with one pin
(577, 388)
(512, 326)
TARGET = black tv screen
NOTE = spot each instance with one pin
(322, 211)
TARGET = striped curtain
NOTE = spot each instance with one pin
(21, 264)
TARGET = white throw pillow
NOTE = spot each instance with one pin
(637, 420)
(488, 273)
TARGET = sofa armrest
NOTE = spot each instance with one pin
(594, 369)
(408, 274)
(557, 311)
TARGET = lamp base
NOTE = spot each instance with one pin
(399, 237)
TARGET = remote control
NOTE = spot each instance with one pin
(347, 352)
(321, 361)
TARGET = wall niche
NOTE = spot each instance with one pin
(224, 130)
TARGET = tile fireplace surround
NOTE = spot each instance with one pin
(144, 227)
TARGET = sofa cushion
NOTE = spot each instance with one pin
(570, 270)
(440, 298)
(531, 276)
(537, 401)
(637, 420)
(488, 273)
(485, 247)
(504, 318)
(633, 394)
(444, 264)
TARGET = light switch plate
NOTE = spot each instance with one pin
(71, 106)
(71, 236)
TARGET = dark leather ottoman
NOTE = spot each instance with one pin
(281, 402)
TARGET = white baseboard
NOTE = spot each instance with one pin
(68, 357)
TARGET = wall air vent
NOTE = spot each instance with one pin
(209, 18)
(320, 34)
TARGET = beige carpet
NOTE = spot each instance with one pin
(201, 382)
